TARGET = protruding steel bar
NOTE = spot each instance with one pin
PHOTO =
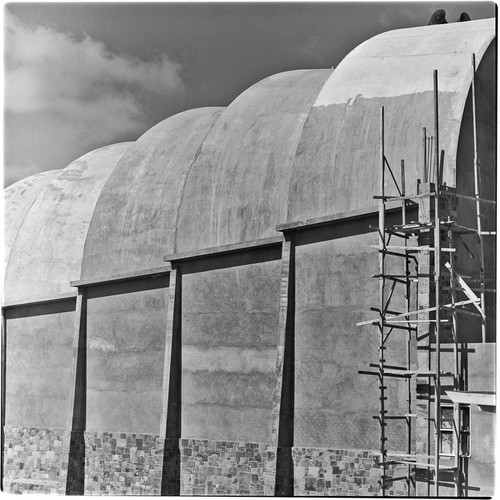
(424, 150)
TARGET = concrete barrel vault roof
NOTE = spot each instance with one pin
(48, 247)
(18, 199)
(296, 145)
(337, 164)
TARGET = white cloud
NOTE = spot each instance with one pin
(83, 91)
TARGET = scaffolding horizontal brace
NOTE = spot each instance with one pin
(403, 276)
(419, 321)
(396, 233)
(420, 373)
(420, 311)
(488, 233)
(389, 367)
(408, 255)
(421, 464)
(385, 374)
(457, 228)
(412, 227)
(393, 278)
(425, 248)
(406, 196)
(388, 479)
(474, 198)
(400, 417)
(474, 289)
(399, 327)
(410, 456)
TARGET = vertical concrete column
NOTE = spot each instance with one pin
(76, 422)
(170, 426)
(283, 403)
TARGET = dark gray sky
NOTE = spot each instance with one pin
(82, 75)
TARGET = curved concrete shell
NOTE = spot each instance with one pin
(136, 215)
(237, 188)
(296, 145)
(18, 199)
(48, 248)
(338, 158)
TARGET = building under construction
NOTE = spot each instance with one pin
(291, 295)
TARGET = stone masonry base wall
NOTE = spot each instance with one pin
(330, 472)
(36, 461)
(118, 463)
(226, 468)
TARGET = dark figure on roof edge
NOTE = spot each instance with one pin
(439, 17)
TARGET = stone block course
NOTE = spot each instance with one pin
(35, 460)
(123, 463)
(326, 472)
(226, 468)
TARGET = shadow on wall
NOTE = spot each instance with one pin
(171, 471)
(75, 484)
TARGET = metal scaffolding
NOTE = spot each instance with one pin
(432, 294)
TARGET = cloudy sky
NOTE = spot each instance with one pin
(78, 76)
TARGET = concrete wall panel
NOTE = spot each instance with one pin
(39, 365)
(125, 353)
(229, 335)
(333, 403)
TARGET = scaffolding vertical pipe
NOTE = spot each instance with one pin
(478, 202)
(436, 129)
(456, 374)
(407, 309)
(437, 282)
(424, 149)
(383, 450)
